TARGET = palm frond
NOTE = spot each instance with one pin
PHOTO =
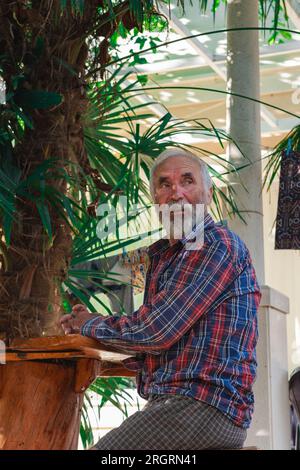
(272, 168)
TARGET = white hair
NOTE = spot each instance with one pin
(177, 152)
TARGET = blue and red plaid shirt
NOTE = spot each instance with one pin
(196, 332)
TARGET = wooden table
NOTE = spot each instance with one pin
(42, 387)
(106, 360)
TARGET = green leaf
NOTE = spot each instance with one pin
(27, 121)
(138, 60)
(77, 6)
(39, 46)
(45, 216)
(66, 66)
(122, 31)
(37, 99)
(84, 298)
(143, 79)
(7, 222)
(141, 41)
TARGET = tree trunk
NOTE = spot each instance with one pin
(39, 408)
(47, 48)
(36, 265)
(243, 125)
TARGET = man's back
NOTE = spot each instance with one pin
(210, 353)
(194, 337)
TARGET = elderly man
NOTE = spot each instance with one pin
(195, 335)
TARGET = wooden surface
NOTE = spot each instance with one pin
(39, 406)
(68, 347)
(42, 387)
(78, 344)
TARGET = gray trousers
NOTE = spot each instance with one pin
(174, 422)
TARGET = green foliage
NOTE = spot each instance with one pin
(272, 168)
(269, 10)
(275, 11)
(37, 99)
(111, 390)
(204, 5)
(154, 24)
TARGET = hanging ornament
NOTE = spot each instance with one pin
(288, 210)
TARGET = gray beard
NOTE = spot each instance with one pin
(180, 225)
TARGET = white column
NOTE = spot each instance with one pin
(270, 428)
(243, 124)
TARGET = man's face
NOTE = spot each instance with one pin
(179, 180)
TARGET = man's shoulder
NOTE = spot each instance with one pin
(221, 235)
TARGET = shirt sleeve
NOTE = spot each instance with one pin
(134, 364)
(168, 315)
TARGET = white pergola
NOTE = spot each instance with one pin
(201, 62)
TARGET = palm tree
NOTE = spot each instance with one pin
(44, 50)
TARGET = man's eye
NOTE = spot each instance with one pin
(165, 185)
(188, 180)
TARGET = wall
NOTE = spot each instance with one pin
(282, 271)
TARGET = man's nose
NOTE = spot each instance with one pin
(176, 192)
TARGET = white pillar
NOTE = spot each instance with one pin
(270, 428)
(243, 125)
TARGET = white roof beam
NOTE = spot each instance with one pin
(195, 44)
(158, 109)
(293, 10)
(194, 62)
(181, 29)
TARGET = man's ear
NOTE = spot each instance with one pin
(209, 195)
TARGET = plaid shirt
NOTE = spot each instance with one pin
(196, 332)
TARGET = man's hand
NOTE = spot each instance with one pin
(72, 322)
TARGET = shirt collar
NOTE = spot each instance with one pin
(162, 244)
(206, 223)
